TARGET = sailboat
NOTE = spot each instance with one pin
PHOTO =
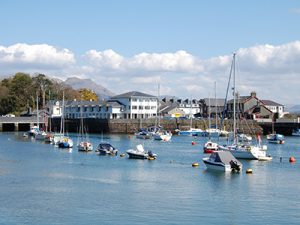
(209, 146)
(161, 135)
(39, 134)
(242, 150)
(192, 131)
(83, 144)
(275, 138)
(63, 141)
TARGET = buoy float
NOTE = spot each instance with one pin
(195, 164)
(249, 171)
(193, 143)
(122, 155)
(292, 159)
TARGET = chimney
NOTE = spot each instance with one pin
(253, 94)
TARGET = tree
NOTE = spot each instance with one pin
(41, 84)
(21, 88)
(87, 94)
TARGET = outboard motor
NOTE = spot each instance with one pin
(235, 166)
(150, 154)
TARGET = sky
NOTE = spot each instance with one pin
(134, 45)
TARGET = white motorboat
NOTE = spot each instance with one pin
(85, 146)
(140, 153)
(162, 136)
(105, 148)
(222, 161)
(275, 138)
(296, 132)
(191, 132)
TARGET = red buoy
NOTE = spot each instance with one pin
(193, 143)
(292, 159)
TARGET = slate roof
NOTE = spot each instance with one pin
(270, 103)
(213, 101)
(132, 94)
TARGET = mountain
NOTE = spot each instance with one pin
(77, 83)
(292, 108)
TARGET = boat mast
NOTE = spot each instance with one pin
(234, 102)
(37, 112)
(216, 111)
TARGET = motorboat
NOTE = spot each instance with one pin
(162, 136)
(212, 132)
(296, 132)
(85, 146)
(210, 147)
(222, 161)
(191, 132)
(33, 131)
(40, 135)
(140, 153)
(105, 148)
(143, 134)
(275, 138)
(244, 138)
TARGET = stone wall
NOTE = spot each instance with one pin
(129, 126)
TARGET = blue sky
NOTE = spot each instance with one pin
(132, 45)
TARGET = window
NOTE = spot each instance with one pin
(141, 107)
(134, 107)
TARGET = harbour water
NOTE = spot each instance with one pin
(41, 184)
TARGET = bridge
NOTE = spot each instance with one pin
(19, 123)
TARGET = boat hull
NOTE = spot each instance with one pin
(216, 166)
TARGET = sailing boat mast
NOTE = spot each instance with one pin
(234, 101)
(216, 109)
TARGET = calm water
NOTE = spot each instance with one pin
(41, 184)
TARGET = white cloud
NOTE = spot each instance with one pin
(272, 71)
(35, 56)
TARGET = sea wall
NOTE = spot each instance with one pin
(129, 126)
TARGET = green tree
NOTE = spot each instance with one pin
(21, 88)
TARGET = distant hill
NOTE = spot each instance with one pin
(292, 108)
(77, 83)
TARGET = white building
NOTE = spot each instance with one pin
(93, 109)
(130, 105)
(137, 105)
(274, 107)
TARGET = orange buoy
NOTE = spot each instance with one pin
(193, 143)
(292, 159)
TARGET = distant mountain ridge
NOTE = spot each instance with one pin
(77, 83)
(292, 108)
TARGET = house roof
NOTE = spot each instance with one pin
(133, 94)
(214, 102)
(270, 103)
(240, 99)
